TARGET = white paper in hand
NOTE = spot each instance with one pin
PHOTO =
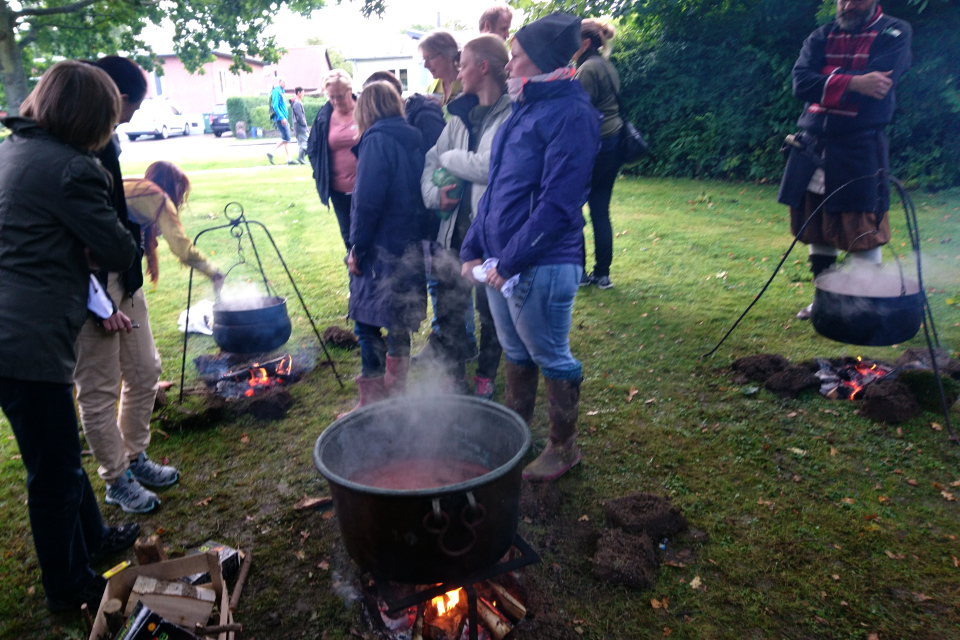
(97, 300)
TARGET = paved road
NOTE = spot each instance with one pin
(195, 147)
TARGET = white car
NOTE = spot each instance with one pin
(157, 118)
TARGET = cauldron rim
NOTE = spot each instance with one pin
(224, 306)
(431, 492)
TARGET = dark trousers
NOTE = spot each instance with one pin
(373, 348)
(341, 207)
(453, 296)
(64, 516)
(605, 170)
(490, 350)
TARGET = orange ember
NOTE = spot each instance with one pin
(452, 598)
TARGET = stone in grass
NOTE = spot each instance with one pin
(789, 383)
(645, 513)
(759, 368)
(889, 401)
(923, 384)
(626, 559)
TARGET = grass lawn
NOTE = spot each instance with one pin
(821, 524)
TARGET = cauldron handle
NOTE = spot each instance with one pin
(439, 516)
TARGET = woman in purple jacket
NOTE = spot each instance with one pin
(530, 220)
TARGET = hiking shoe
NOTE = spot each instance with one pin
(91, 594)
(603, 282)
(116, 539)
(129, 495)
(484, 387)
(148, 472)
(270, 157)
(586, 280)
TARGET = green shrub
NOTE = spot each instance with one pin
(239, 108)
(310, 108)
(260, 117)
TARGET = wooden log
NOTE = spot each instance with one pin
(178, 602)
(490, 619)
(512, 607)
(218, 628)
(241, 579)
(113, 614)
(87, 618)
(149, 550)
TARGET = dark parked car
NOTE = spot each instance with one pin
(219, 120)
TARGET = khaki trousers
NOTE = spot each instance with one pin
(121, 363)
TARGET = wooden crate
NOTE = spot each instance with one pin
(120, 586)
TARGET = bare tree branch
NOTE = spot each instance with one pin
(67, 8)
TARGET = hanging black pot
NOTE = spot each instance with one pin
(872, 310)
(251, 325)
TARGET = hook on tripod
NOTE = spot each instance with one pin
(236, 218)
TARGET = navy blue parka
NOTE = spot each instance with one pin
(387, 220)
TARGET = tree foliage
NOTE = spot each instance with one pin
(44, 30)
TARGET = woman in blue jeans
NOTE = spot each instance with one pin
(387, 218)
(530, 221)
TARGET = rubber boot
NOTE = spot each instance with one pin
(370, 390)
(395, 378)
(520, 393)
(561, 453)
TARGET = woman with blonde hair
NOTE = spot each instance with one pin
(600, 80)
(441, 57)
(463, 152)
(386, 231)
(58, 224)
(330, 145)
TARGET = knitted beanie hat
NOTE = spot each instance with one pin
(551, 41)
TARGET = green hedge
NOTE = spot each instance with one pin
(246, 109)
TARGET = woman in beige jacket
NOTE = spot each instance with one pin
(463, 153)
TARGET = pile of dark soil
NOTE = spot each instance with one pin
(889, 401)
(339, 337)
(790, 382)
(758, 368)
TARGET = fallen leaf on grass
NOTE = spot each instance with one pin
(948, 496)
(919, 597)
(650, 401)
(873, 636)
(847, 500)
(833, 451)
(205, 501)
(245, 439)
(766, 503)
(301, 555)
(633, 391)
(894, 556)
(899, 472)
(956, 562)
(695, 583)
(835, 577)
(955, 484)
(820, 620)
(792, 414)
(912, 482)
(31, 590)
(308, 503)
(882, 499)
(871, 516)
(326, 515)
(323, 565)
(799, 452)
(583, 518)
(660, 604)
(592, 413)
(936, 426)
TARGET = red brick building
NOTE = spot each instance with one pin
(196, 93)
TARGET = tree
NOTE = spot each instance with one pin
(47, 30)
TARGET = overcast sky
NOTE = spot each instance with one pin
(344, 26)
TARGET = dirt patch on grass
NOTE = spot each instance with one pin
(627, 559)
(758, 368)
(645, 513)
(889, 401)
(791, 382)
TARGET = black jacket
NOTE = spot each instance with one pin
(55, 203)
(132, 278)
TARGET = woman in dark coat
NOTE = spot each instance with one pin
(56, 223)
(387, 283)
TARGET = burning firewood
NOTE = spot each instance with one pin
(512, 607)
(492, 620)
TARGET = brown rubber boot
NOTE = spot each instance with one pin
(520, 393)
(561, 453)
(371, 390)
(395, 378)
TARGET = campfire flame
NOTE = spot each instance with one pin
(847, 381)
(260, 377)
(452, 598)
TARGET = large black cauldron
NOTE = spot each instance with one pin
(426, 535)
(873, 310)
(251, 325)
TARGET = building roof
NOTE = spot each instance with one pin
(302, 67)
(220, 54)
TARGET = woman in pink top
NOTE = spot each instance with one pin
(330, 145)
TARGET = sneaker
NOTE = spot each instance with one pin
(804, 314)
(91, 594)
(270, 157)
(484, 387)
(603, 282)
(291, 162)
(586, 280)
(117, 539)
(152, 474)
(129, 495)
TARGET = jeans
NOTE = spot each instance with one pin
(341, 207)
(469, 323)
(373, 348)
(453, 294)
(64, 516)
(533, 324)
(489, 352)
(605, 170)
